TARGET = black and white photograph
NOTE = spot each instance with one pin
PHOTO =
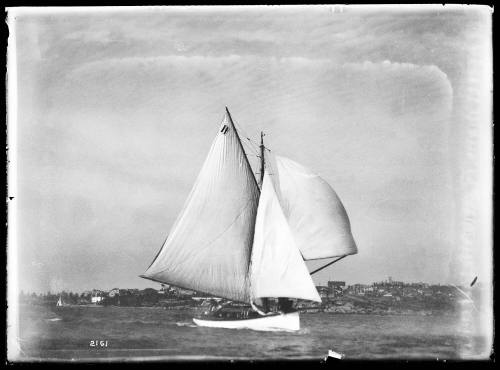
(249, 183)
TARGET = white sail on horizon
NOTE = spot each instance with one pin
(277, 268)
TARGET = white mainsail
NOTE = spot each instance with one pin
(277, 268)
(208, 248)
(314, 212)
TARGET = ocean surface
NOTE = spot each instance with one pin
(141, 334)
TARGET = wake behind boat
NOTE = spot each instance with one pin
(246, 241)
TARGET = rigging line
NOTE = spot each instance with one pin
(250, 142)
(256, 151)
(328, 264)
(247, 154)
(251, 145)
(240, 128)
(254, 145)
(245, 135)
(250, 148)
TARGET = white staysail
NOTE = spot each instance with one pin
(316, 216)
(208, 248)
(277, 268)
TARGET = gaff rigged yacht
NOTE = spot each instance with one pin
(246, 241)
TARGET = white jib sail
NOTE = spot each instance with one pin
(208, 248)
(277, 268)
(315, 213)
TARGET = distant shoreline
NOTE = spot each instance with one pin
(384, 298)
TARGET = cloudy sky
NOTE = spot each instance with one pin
(117, 110)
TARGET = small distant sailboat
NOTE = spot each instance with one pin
(246, 241)
(332, 355)
(59, 302)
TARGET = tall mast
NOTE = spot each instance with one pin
(261, 158)
(264, 300)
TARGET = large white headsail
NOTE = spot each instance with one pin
(208, 248)
(316, 216)
(277, 268)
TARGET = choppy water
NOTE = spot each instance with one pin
(156, 334)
